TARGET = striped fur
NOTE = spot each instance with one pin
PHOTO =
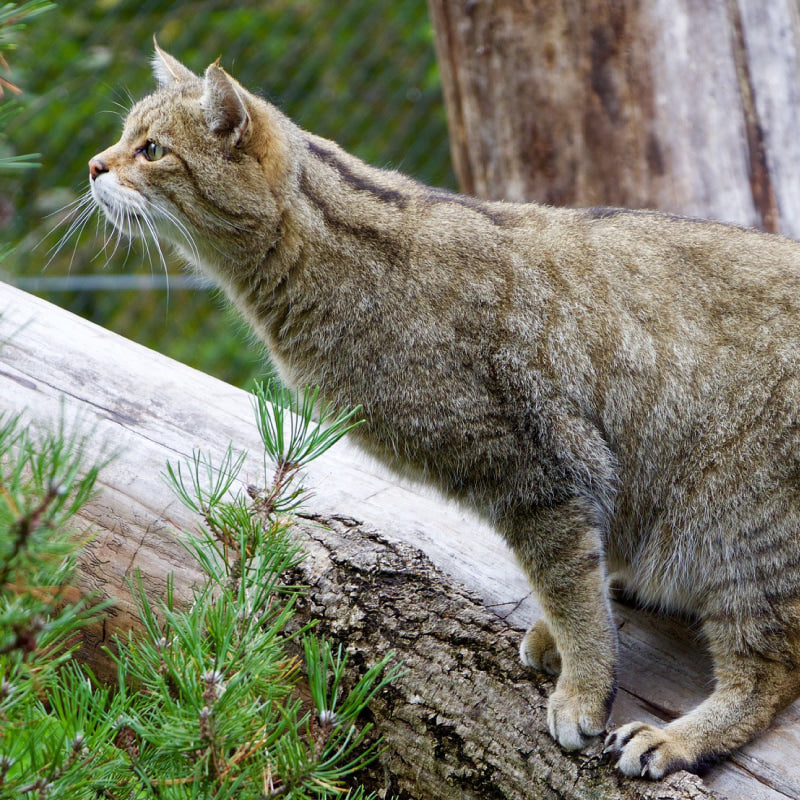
(618, 392)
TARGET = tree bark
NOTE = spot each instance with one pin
(682, 106)
(466, 721)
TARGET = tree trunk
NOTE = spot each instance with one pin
(683, 106)
(466, 720)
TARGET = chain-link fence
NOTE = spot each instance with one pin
(361, 72)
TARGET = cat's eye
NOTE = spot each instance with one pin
(153, 151)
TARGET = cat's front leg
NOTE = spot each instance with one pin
(561, 550)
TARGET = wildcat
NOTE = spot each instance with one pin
(617, 391)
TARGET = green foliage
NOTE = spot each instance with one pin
(292, 433)
(293, 437)
(209, 701)
(43, 483)
(13, 18)
(362, 72)
(326, 674)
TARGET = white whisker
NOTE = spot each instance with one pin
(79, 212)
(76, 225)
(182, 229)
(129, 233)
(152, 228)
(71, 207)
(145, 240)
(135, 215)
(118, 114)
(228, 223)
(117, 237)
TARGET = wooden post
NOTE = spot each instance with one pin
(682, 106)
(420, 578)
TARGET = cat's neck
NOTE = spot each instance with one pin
(359, 257)
(342, 238)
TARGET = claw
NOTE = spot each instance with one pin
(610, 744)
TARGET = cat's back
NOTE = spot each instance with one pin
(676, 287)
(647, 249)
(608, 261)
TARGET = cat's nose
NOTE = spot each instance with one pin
(97, 167)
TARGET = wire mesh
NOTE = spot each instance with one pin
(361, 72)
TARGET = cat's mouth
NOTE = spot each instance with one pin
(125, 208)
(133, 215)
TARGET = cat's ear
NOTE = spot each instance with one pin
(169, 70)
(224, 107)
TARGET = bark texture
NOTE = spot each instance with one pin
(466, 721)
(677, 105)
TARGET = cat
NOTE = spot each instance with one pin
(617, 391)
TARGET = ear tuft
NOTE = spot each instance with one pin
(224, 107)
(169, 70)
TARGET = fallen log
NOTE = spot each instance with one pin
(466, 721)
(419, 578)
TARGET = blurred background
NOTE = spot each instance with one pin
(361, 72)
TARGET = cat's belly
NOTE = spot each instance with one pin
(659, 577)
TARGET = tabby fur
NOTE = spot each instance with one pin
(618, 392)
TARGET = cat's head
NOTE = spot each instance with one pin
(202, 163)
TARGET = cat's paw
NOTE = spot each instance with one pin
(575, 717)
(646, 751)
(538, 649)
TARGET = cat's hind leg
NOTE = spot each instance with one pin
(750, 688)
